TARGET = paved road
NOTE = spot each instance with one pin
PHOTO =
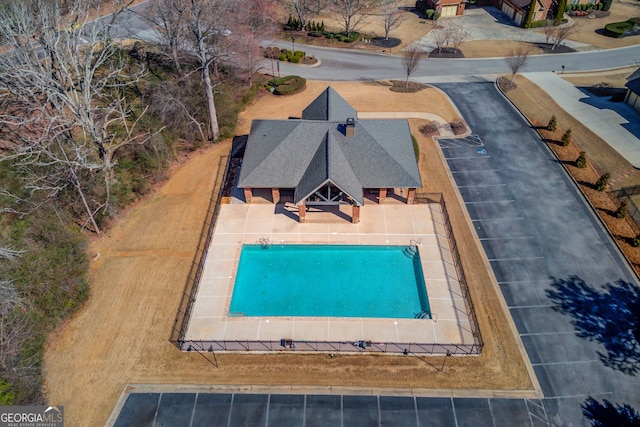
(345, 65)
(350, 64)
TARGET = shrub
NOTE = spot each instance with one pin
(416, 148)
(599, 6)
(606, 4)
(566, 138)
(617, 29)
(635, 242)
(603, 181)
(430, 13)
(621, 212)
(287, 85)
(315, 34)
(539, 24)
(581, 161)
(283, 57)
(299, 53)
(552, 124)
(7, 396)
(568, 8)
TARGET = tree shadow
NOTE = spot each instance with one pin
(607, 414)
(610, 316)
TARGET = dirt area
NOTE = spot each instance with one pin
(140, 266)
(586, 29)
(613, 79)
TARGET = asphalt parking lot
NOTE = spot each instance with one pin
(541, 238)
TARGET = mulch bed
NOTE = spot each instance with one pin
(446, 53)
(403, 87)
(605, 204)
(381, 42)
(558, 49)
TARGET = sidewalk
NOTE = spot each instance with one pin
(617, 123)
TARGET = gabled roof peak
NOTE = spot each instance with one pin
(329, 106)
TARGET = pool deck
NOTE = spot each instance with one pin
(383, 224)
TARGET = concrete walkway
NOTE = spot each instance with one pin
(617, 123)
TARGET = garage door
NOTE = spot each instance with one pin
(449, 10)
(518, 18)
(507, 9)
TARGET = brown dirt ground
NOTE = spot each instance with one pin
(614, 79)
(601, 157)
(140, 266)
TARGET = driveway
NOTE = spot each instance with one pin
(489, 23)
(550, 255)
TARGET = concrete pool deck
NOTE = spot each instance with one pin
(383, 224)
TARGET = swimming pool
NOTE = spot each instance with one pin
(329, 281)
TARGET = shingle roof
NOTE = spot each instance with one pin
(634, 85)
(306, 154)
(329, 105)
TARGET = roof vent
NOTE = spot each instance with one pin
(350, 127)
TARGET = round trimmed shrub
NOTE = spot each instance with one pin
(288, 85)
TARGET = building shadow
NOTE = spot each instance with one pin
(608, 414)
(609, 315)
(624, 110)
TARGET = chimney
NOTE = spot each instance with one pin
(350, 128)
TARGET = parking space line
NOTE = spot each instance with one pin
(476, 170)
(482, 185)
(468, 157)
(491, 201)
(499, 218)
(506, 238)
(566, 362)
(535, 334)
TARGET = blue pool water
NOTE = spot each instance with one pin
(329, 281)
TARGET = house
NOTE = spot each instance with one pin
(447, 8)
(329, 157)
(517, 9)
(632, 97)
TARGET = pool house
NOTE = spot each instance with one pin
(329, 157)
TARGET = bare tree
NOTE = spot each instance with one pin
(207, 22)
(303, 10)
(458, 35)
(352, 13)
(559, 35)
(247, 54)
(442, 37)
(517, 59)
(549, 29)
(410, 61)
(392, 15)
(68, 87)
(168, 102)
(170, 27)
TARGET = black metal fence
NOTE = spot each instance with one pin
(181, 322)
(331, 347)
(632, 209)
(455, 254)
